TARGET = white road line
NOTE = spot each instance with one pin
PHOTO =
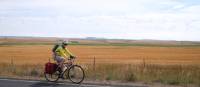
(51, 82)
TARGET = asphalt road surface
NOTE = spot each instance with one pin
(32, 83)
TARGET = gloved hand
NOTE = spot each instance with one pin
(72, 57)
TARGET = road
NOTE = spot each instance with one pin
(32, 83)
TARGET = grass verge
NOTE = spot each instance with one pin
(148, 73)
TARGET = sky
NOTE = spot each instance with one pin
(114, 19)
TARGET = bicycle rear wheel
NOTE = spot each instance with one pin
(52, 77)
(76, 74)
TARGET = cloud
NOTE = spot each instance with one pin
(85, 8)
(141, 19)
(191, 9)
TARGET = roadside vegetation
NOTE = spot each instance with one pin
(149, 73)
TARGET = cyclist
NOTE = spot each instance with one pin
(61, 53)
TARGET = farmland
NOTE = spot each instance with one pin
(39, 54)
(167, 64)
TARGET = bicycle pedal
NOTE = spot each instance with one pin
(62, 77)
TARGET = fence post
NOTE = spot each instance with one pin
(12, 65)
(144, 63)
(94, 67)
(12, 61)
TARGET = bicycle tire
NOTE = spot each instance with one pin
(48, 79)
(70, 76)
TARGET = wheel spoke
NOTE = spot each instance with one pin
(76, 74)
(52, 77)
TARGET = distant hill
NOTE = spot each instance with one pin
(14, 40)
(94, 38)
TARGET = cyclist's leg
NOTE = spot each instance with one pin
(60, 62)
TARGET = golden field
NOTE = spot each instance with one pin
(166, 65)
(40, 54)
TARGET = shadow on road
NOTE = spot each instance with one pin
(66, 84)
(54, 84)
(45, 84)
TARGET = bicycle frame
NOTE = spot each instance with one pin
(70, 62)
(66, 74)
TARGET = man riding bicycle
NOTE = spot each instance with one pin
(61, 53)
(69, 70)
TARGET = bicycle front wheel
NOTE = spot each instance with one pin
(76, 74)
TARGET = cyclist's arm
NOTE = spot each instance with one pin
(65, 55)
(69, 53)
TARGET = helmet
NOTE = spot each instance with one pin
(65, 43)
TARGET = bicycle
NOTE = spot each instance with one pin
(74, 73)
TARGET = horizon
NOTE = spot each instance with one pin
(114, 19)
(97, 38)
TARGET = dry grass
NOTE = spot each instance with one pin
(148, 73)
(168, 65)
(169, 74)
(39, 54)
(21, 70)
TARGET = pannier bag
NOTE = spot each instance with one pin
(50, 68)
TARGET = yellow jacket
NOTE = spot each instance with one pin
(63, 52)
